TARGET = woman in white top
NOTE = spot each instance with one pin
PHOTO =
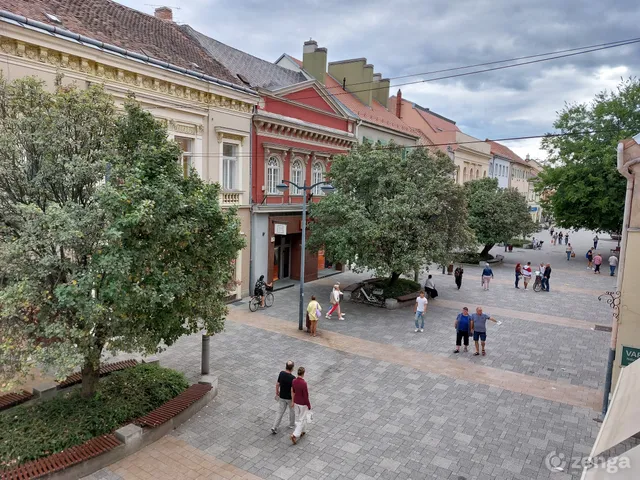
(334, 298)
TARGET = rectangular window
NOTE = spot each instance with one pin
(186, 159)
(229, 166)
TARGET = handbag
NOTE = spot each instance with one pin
(309, 416)
(573, 254)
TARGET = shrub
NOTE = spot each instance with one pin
(29, 432)
(402, 286)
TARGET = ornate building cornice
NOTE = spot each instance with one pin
(107, 73)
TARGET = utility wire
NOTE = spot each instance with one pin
(526, 57)
(466, 142)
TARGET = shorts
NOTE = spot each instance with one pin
(479, 336)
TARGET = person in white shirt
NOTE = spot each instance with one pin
(526, 274)
(613, 263)
(430, 287)
(334, 298)
(419, 310)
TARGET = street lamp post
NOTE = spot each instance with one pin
(326, 188)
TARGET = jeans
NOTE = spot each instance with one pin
(301, 419)
(283, 405)
(545, 283)
(419, 315)
(612, 268)
(517, 279)
(568, 256)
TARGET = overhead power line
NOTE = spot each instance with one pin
(466, 142)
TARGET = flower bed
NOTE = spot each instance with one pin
(29, 432)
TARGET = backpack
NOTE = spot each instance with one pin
(332, 298)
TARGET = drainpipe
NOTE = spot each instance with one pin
(625, 171)
(251, 213)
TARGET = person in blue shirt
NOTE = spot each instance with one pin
(463, 327)
(479, 328)
(487, 275)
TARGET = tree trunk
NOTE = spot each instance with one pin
(394, 278)
(485, 251)
(90, 375)
(416, 275)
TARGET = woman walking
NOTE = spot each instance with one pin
(301, 404)
(314, 310)
(334, 298)
(462, 326)
(458, 276)
(518, 274)
(589, 256)
(487, 275)
(569, 251)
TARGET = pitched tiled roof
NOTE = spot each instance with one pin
(505, 152)
(112, 23)
(376, 113)
(258, 72)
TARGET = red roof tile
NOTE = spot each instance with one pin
(376, 113)
(505, 152)
(110, 22)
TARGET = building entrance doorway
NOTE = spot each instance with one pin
(281, 258)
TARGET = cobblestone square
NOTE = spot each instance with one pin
(390, 403)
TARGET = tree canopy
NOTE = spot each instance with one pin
(104, 243)
(581, 186)
(393, 210)
(496, 215)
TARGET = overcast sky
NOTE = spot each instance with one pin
(405, 37)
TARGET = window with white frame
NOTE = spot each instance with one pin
(317, 175)
(297, 176)
(273, 176)
(229, 166)
(186, 158)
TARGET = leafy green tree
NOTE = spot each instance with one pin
(104, 244)
(496, 215)
(581, 186)
(392, 210)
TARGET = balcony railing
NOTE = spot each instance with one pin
(231, 198)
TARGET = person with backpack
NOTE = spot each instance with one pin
(589, 257)
(334, 299)
(463, 328)
(457, 275)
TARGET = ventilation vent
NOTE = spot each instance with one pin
(53, 18)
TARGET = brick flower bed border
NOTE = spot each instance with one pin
(99, 452)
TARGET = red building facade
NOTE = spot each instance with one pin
(297, 130)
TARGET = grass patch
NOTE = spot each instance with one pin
(402, 286)
(35, 431)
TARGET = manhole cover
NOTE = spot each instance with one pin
(602, 328)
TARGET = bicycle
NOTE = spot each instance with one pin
(254, 302)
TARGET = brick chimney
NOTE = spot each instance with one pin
(164, 13)
(399, 104)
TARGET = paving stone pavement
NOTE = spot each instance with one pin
(385, 418)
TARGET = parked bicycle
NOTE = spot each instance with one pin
(254, 301)
(374, 296)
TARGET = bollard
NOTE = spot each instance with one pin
(204, 370)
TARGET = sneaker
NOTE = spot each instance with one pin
(421, 330)
(274, 431)
(328, 317)
(417, 330)
(466, 349)
(293, 439)
(291, 427)
(341, 318)
(455, 351)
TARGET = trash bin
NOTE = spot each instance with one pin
(511, 248)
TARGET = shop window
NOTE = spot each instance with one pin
(229, 166)
(273, 176)
(186, 158)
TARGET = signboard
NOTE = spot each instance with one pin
(533, 209)
(629, 355)
(280, 228)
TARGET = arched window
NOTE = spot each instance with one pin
(317, 175)
(464, 174)
(477, 173)
(273, 176)
(297, 176)
(484, 174)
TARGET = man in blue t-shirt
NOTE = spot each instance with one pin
(479, 328)
(462, 326)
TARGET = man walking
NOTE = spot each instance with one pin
(479, 329)
(597, 261)
(566, 239)
(462, 326)
(545, 277)
(487, 275)
(458, 276)
(613, 263)
(302, 405)
(419, 310)
(526, 274)
(595, 242)
(284, 397)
